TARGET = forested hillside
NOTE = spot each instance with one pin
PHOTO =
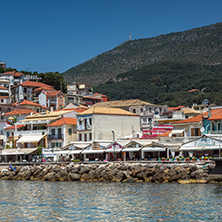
(167, 83)
(201, 46)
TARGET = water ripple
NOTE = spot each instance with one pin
(81, 201)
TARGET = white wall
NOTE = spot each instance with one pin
(103, 125)
(42, 99)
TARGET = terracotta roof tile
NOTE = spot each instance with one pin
(165, 134)
(214, 114)
(13, 127)
(19, 112)
(64, 120)
(32, 84)
(107, 111)
(26, 102)
(1, 87)
(43, 88)
(17, 74)
(122, 103)
(217, 115)
(52, 93)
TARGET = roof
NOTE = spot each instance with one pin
(214, 116)
(165, 134)
(73, 109)
(32, 84)
(47, 87)
(75, 106)
(92, 97)
(194, 90)
(177, 108)
(26, 102)
(45, 115)
(217, 115)
(64, 121)
(52, 93)
(17, 74)
(124, 103)
(107, 111)
(190, 111)
(1, 87)
(4, 97)
(13, 127)
(19, 112)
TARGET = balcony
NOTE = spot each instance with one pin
(31, 132)
(56, 137)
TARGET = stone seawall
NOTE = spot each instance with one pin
(116, 172)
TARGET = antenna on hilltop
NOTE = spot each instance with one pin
(130, 36)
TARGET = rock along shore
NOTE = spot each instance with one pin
(115, 172)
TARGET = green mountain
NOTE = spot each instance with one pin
(167, 83)
(198, 46)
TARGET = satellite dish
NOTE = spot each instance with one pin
(202, 129)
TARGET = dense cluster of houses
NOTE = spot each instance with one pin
(82, 125)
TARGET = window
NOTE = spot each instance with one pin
(60, 98)
(52, 145)
(25, 90)
(80, 137)
(7, 134)
(90, 136)
(85, 137)
(53, 132)
(57, 144)
(141, 110)
(90, 121)
(134, 110)
(2, 100)
(219, 126)
(70, 131)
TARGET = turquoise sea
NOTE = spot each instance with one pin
(100, 201)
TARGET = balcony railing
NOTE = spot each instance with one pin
(56, 137)
(31, 132)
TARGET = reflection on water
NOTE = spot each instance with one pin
(81, 201)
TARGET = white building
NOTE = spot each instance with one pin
(100, 123)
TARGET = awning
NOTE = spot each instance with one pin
(131, 149)
(62, 152)
(211, 148)
(191, 148)
(117, 150)
(178, 131)
(75, 151)
(23, 151)
(154, 149)
(92, 151)
(30, 138)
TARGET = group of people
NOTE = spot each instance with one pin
(11, 168)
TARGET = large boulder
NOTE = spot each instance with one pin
(62, 175)
(23, 175)
(74, 176)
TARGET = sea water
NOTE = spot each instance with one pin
(101, 201)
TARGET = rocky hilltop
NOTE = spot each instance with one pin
(200, 46)
(115, 172)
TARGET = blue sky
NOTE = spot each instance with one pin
(55, 35)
